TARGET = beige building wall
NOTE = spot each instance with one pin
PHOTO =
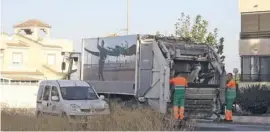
(254, 5)
(35, 51)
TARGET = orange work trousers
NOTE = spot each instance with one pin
(178, 112)
(228, 115)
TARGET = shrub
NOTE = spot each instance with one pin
(254, 98)
(121, 119)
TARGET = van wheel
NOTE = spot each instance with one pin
(39, 114)
(64, 115)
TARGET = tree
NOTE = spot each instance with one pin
(198, 32)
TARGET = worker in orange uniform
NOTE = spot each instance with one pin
(180, 85)
(230, 97)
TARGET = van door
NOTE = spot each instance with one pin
(39, 98)
(54, 105)
(45, 99)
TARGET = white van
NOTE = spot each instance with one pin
(71, 98)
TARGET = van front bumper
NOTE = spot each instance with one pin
(85, 116)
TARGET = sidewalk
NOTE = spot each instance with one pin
(252, 119)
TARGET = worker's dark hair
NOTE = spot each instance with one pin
(230, 74)
(175, 74)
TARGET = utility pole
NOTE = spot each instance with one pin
(127, 16)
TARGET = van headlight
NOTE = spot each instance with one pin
(75, 107)
(106, 106)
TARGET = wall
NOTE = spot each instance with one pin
(8, 59)
(254, 47)
(34, 56)
(19, 96)
(248, 5)
(67, 45)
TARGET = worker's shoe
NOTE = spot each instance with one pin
(227, 120)
(218, 119)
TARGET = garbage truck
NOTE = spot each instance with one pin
(142, 65)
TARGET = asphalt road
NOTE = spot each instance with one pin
(211, 126)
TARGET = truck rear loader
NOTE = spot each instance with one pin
(142, 65)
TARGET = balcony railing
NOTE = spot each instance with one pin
(255, 77)
(255, 35)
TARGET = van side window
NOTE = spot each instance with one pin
(54, 92)
(46, 93)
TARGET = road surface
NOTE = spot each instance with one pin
(211, 126)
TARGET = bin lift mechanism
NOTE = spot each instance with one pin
(201, 64)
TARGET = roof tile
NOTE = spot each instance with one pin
(33, 23)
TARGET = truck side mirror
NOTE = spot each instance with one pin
(75, 59)
(63, 66)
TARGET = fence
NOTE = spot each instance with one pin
(15, 82)
(18, 96)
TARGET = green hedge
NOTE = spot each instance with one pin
(254, 98)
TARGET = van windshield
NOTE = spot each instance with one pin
(78, 93)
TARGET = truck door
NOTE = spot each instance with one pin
(45, 99)
(54, 105)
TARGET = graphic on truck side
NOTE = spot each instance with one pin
(110, 58)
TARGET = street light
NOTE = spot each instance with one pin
(127, 23)
(127, 16)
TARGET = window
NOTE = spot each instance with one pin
(255, 68)
(46, 93)
(78, 93)
(246, 65)
(17, 58)
(255, 25)
(55, 92)
(40, 91)
(51, 59)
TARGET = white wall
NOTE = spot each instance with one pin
(18, 96)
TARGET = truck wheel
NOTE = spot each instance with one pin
(64, 116)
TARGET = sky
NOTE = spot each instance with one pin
(77, 19)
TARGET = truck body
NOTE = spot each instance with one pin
(142, 65)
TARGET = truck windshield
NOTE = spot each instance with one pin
(78, 93)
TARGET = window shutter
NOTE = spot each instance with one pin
(265, 22)
(249, 22)
(51, 59)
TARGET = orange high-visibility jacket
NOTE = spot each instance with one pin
(179, 81)
(231, 84)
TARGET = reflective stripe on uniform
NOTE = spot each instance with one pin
(179, 87)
